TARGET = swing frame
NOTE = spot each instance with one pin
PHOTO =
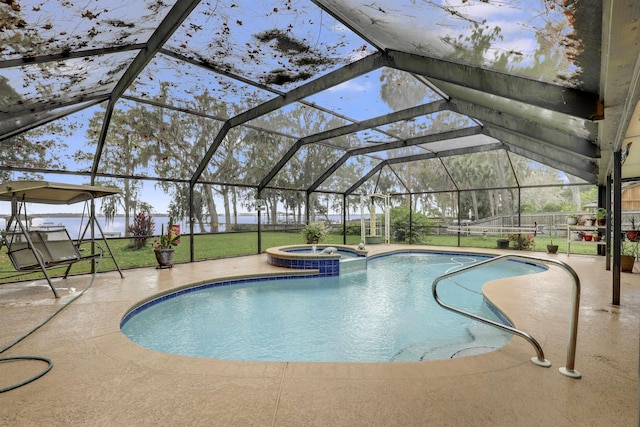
(42, 250)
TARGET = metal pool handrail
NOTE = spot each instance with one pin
(573, 332)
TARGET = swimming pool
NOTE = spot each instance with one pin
(386, 313)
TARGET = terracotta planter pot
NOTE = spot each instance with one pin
(626, 263)
(587, 237)
(632, 235)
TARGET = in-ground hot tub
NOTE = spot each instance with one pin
(344, 259)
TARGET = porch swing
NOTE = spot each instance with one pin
(44, 249)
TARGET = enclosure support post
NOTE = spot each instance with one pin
(410, 219)
(607, 205)
(191, 224)
(519, 209)
(459, 218)
(344, 219)
(259, 224)
(617, 226)
(387, 213)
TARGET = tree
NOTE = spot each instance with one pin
(262, 150)
(401, 90)
(124, 153)
(474, 48)
(177, 143)
(40, 148)
(310, 161)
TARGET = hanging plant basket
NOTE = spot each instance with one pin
(164, 257)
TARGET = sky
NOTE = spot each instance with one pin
(359, 98)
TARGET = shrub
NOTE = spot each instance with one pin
(315, 232)
(353, 229)
(399, 221)
(522, 241)
(141, 230)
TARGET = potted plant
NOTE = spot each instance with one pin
(595, 234)
(314, 232)
(164, 245)
(627, 257)
(503, 243)
(551, 231)
(572, 219)
(588, 220)
(601, 216)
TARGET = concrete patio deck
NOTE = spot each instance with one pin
(100, 378)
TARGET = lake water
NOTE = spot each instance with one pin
(73, 224)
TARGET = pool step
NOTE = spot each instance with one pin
(480, 340)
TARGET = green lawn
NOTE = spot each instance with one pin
(226, 245)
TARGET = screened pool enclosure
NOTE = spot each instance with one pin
(462, 112)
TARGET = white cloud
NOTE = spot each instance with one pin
(352, 86)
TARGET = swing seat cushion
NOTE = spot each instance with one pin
(54, 246)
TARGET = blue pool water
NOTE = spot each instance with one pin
(386, 313)
(344, 255)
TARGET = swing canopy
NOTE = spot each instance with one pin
(53, 193)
